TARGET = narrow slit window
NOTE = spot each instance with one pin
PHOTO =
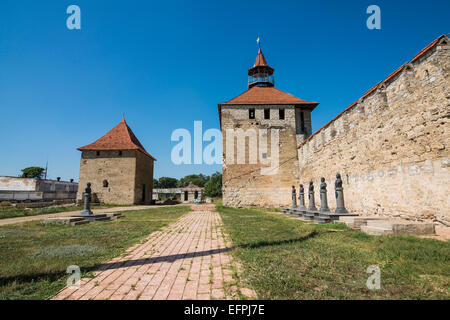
(251, 113)
(302, 122)
(281, 113)
(266, 114)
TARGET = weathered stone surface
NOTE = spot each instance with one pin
(114, 215)
(392, 146)
(376, 231)
(357, 222)
(403, 227)
(243, 184)
(62, 220)
(125, 175)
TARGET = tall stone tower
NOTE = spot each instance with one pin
(118, 167)
(267, 124)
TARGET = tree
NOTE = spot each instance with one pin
(213, 188)
(165, 183)
(33, 172)
(198, 179)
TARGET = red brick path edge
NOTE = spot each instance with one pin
(188, 259)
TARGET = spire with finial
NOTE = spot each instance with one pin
(261, 74)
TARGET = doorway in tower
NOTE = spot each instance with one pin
(185, 196)
(143, 193)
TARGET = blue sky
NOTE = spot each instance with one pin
(166, 64)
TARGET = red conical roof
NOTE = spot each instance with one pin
(260, 65)
(121, 137)
(260, 60)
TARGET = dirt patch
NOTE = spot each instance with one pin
(203, 207)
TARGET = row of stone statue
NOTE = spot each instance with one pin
(339, 193)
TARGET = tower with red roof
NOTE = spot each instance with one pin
(251, 123)
(118, 167)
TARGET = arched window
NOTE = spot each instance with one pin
(105, 183)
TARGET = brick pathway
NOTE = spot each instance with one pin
(188, 259)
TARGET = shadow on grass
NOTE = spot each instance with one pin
(277, 243)
(54, 276)
(33, 277)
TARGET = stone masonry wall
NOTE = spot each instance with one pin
(243, 184)
(144, 176)
(120, 172)
(392, 147)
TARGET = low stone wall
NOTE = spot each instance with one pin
(391, 146)
(18, 196)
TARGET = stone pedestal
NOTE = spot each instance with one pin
(323, 197)
(87, 201)
(312, 205)
(294, 198)
(339, 193)
(301, 198)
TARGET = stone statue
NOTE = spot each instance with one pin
(88, 188)
(301, 198)
(339, 193)
(87, 200)
(323, 184)
(338, 182)
(312, 205)
(323, 196)
(294, 198)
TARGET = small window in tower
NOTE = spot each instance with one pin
(251, 113)
(105, 184)
(266, 114)
(302, 122)
(98, 153)
(281, 111)
(120, 153)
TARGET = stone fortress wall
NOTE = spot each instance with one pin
(119, 172)
(392, 145)
(243, 184)
(144, 179)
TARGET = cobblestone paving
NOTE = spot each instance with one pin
(188, 259)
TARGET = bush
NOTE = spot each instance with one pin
(213, 188)
(5, 204)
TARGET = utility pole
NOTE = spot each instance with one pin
(46, 168)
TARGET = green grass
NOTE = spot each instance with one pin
(34, 257)
(6, 213)
(285, 258)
